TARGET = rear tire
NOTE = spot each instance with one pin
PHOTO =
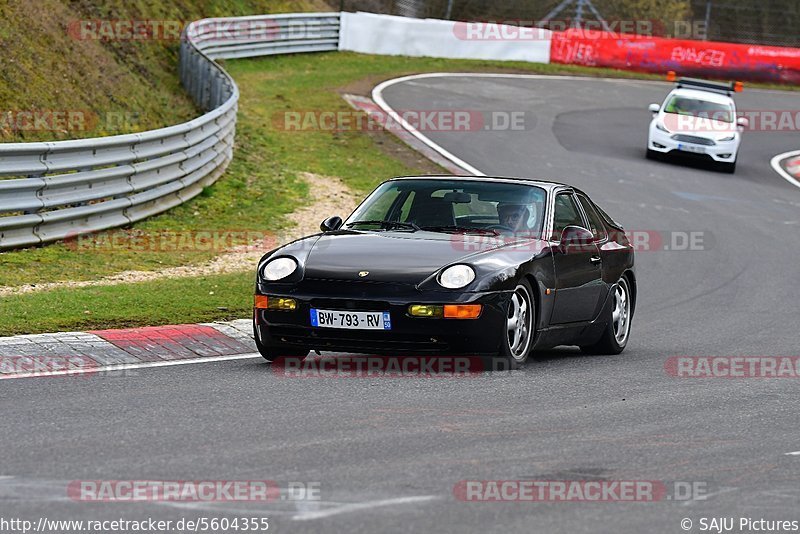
(517, 332)
(618, 328)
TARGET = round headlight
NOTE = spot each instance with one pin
(279, 269)
(457, 276)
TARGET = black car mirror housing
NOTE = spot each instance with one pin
(331, 224)
(575, 236)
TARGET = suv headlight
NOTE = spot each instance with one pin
(279, 269)
(457, 276)
(729, 138)
(662, 127)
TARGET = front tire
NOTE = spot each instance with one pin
(518, 330)
(618, 328)
(729, 168)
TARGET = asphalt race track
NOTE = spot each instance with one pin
(387, 453)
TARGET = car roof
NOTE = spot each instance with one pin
(544, 184)
(699, 94)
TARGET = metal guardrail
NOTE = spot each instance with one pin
(55, 190)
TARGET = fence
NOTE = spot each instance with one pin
(736, 21)
(54, 190)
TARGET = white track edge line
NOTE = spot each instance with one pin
(776, 166)
(126, 366)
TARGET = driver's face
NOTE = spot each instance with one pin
(511, 218)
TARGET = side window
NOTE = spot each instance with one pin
(566, 214)
(595, 222)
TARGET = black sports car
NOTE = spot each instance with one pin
(489, 267)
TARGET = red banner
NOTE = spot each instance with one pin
(685, 57)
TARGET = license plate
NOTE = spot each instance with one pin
(350, 320)
(691, 148)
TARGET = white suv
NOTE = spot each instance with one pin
(698, 117)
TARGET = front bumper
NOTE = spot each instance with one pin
(408, 336)
(721, 151)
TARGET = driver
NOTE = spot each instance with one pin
(513, 216)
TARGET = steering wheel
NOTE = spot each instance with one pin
(499, 227)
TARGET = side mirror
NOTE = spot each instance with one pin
(742, 123)
(654, 108)
(331, 224)
(576, 236)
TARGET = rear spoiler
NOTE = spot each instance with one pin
(726, 88)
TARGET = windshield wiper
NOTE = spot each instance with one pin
(386, 224)
(464, 229)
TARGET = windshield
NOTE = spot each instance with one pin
(452, 206)
(681, 105)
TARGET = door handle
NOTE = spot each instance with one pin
(595, 259)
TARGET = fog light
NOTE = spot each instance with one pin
(462, 311)
(282, 304)
(657, 145)
(725, 156)
(425, 310)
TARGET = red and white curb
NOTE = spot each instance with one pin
(101, 350)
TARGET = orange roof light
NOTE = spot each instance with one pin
(738, 87)
(462, 311)
(671, 76)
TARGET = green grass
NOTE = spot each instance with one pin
(178, 301)
(119, 86)
(261, 186)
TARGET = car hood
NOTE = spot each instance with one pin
(699, 126)
(397, 257)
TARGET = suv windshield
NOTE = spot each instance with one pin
(681, 105)
(439, 205)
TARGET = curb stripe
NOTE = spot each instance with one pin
(69, 353)
(173, 342)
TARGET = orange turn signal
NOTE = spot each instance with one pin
(738, 87)
(671, 76)
(261, 302)
(462, 311)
